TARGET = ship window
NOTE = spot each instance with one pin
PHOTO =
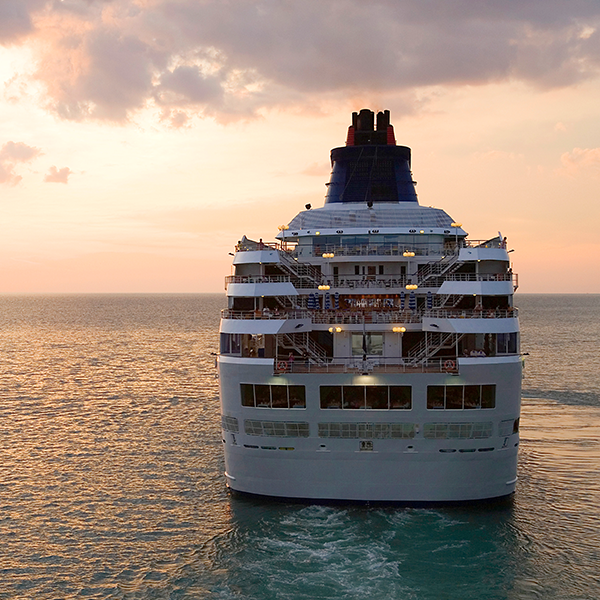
(247, 390)
(297, 396)
(377, 397)
(273, 396)
(454, 394)
(482, 431)
(505, 428)
(354, 396)
(367, 430)
(262, 395)
(435, 396)
(400, 397)
(276, 428)
(331, 396)
(472, 397)
(372, 343)
(456, 397)
(464, 431)
(279, 396)
(507, 343)
(225, 344)
(381, 269)
(230, 343)
(371, 397)
(488, 396)
(513, 343)
(229, 424)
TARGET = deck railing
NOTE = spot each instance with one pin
(419, 249)
(335, 317)
(371, 365)
(479, 277)
(257, 279)
(377, 283)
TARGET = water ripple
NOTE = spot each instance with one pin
(111, 483)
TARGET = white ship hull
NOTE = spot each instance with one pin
(372, 352)
(416, 469)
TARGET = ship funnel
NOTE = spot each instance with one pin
(371, 167)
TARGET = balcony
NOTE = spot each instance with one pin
(336, 317)
(257, 279)
(370, 366)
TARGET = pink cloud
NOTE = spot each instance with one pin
(581, 161)
(11, 154)
(55, 175)
(107, 60)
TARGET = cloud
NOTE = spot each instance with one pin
(11, 154)
(15, 18)
(55, 175)
(581, 161)
(231, 59)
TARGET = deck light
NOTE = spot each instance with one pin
(412, 286)
(408, 253)
(323, 287)
(328, 255)
(455, 224)
(399, 329)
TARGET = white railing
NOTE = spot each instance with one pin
(357, 365)
(382, 250)
(257, 279)
(369, 317)
(479, 277)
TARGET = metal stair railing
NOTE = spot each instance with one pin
(302, 343)
(437, 269)
(442, 303)
(300, 270)
(430, 345)
(287, 302)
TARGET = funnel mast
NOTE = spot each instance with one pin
(371, 168)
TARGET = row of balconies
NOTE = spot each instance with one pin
(373, 282)
(376, 316)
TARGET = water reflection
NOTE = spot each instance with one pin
(111, 483)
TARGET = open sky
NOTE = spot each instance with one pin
(141, 139)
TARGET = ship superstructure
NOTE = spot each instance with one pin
(371, 352)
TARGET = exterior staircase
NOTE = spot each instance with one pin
(432, 274)
(306, 275)
(432, 343)
(305, 346)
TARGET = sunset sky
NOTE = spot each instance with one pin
(141, 139)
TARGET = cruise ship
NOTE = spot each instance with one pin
(370, 352)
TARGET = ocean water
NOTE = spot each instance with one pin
(111, 472)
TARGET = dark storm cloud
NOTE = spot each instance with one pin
(233, 57)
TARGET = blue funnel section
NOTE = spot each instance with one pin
(371, 168)
(371, 174)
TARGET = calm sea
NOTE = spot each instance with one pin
(111, 472)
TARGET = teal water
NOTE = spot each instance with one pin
(111, 480)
